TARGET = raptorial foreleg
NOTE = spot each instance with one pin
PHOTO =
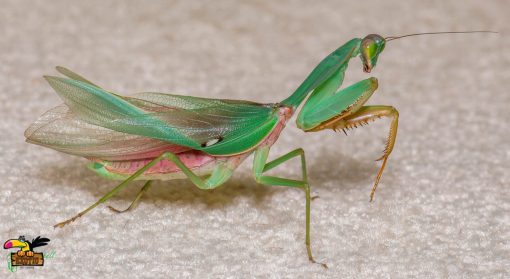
(362, 117)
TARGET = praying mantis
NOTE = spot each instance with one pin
(157, 136)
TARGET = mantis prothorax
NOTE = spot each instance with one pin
(156, 136)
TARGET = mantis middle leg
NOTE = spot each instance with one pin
(260, 166)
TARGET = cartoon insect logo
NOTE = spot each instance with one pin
(26, 255)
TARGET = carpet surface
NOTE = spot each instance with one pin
(442, 207)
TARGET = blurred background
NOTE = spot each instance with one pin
(442, 206)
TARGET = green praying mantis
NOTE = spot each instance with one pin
(156, 136)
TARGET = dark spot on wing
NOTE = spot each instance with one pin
(212, 141)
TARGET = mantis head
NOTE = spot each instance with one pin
(371, 46)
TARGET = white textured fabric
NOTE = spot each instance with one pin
(442, 208)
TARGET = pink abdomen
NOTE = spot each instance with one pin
(192, 159)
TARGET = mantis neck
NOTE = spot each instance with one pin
(326, 68)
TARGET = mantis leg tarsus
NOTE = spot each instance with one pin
(306, 187)
(135, 202)
(378, 177)
(62, 224)
(260, 166)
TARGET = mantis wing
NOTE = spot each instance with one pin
(72, 75)
(61, 130)
(215, 126)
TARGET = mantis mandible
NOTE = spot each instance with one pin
(156, 136)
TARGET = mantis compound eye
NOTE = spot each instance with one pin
(371, 46)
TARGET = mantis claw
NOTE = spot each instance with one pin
(118, 211)
(311, 259)
(62, 224)
(322, 264)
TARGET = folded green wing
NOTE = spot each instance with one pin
(215, 126)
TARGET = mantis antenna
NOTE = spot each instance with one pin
(390, 38)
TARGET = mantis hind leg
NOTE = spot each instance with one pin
(362, 117)
(260, 166)
(219, 175)
(132, 206)
(113, 191)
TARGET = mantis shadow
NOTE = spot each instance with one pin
(332, 172)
